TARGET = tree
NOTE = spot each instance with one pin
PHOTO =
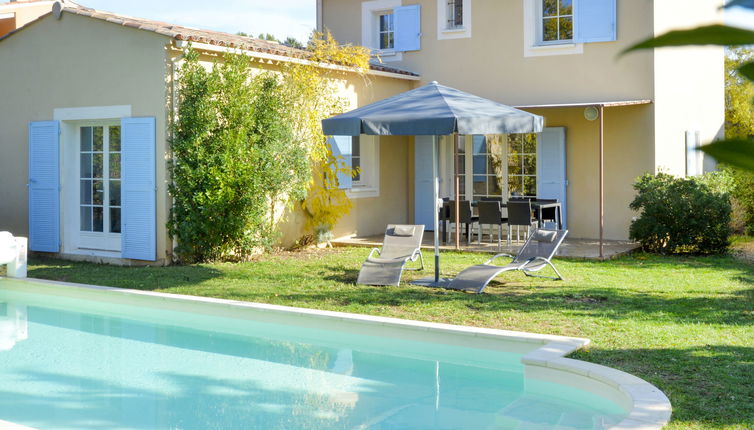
(739, 95)
(268, 36)
(293, 43)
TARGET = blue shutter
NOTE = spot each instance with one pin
(551, 167)
(44, 186)
(138, 236)
(407, 28)
(594, 21)
(341, 147)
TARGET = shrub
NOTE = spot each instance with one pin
(742, 197)
(234, 160)
(682, 215)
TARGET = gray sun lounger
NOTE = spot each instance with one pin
(402, 244)
(535, 255)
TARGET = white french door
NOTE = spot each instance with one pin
(99, 174)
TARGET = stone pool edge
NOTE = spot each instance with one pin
(649, 408)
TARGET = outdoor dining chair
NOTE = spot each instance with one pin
(535, 255)
(519, 214)
(491, 213)
(465, 217)
(402, 243)
(549, 215)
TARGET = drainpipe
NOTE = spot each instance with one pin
(602, 181)
(173, 120)
(320, 17)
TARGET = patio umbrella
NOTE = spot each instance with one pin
(433, 110)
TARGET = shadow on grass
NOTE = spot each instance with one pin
(709, 386)
(138, 278)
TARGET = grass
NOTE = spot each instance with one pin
(685, 324)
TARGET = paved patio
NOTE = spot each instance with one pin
(571, 248)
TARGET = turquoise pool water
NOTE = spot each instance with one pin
(70, 364)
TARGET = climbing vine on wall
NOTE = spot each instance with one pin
(247, 142)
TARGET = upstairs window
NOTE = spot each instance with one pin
(453, 19)
(562, 27)
(557, 21)
(387, 30)
(455, 14)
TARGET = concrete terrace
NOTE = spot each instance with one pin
(571, 248)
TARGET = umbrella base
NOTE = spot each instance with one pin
(430, 281)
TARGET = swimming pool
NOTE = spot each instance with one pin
(75, 357)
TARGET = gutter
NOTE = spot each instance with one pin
(173, 122)
(181, 44)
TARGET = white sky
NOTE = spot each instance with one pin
(281, 18)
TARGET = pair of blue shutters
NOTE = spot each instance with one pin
(138, 219)
(594, 21)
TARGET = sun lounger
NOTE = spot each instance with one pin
(401, 244)
(535, 255)
(13, 253)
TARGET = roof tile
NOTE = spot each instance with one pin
(211, 37)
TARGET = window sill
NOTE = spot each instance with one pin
(387, 55)
(454, 30)
(540, 49)
(363, 192)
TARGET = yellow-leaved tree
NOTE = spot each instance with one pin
(313, 92)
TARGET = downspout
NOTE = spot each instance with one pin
(173, 122)
(320, 17)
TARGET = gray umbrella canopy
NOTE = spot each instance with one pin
(433, 110)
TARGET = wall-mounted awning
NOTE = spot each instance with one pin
(601, 107)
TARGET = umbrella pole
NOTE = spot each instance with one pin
(457, 186)
(436, 197)
(434, 281)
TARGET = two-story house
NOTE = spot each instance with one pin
(560, 59)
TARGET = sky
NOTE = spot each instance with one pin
(281, 18)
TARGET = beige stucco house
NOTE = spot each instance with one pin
(88, 97)
(560, 59)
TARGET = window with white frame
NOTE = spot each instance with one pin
(498, 166)
(99, 167)
(557, 21)
(356, 160)
(365, 160)
(389, 28)
(453, 19)
(454, 14)
(563, 27)
(386, 32)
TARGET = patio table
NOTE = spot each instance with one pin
(537, 205)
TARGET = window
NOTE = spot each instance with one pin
(453, 19)
(390, 29)
(454, 14)
(99, 179)
(356, 160)
(522, 164)
(387, 31)
(562, 27)
(557, 21)
(499, 166)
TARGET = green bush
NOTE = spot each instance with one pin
(682, 215)
(234, 160)
(742, 197)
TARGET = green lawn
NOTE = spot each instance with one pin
(685, 324)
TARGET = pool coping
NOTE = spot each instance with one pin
(648, 407)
